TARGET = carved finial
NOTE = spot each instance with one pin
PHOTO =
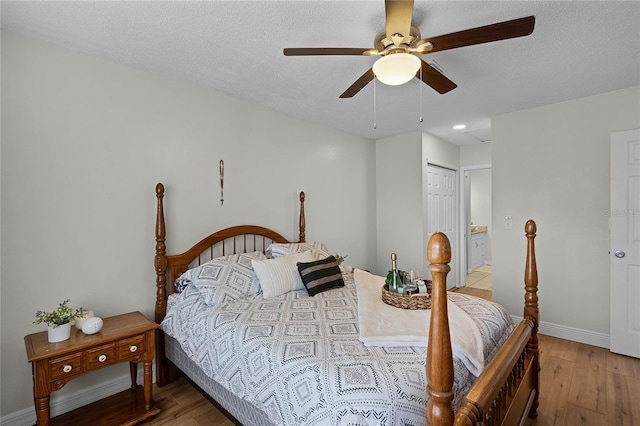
(530, 227)
(439, 249)
(159, 189)
(302, 196)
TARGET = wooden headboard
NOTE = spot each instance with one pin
(235, 239)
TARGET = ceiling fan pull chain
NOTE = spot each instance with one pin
(375, 117)
(421, 95)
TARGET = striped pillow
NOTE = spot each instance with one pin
(320, 275)
(279, 276)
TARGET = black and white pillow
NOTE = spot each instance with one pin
(320, 275)
(224, 278)
(181, 284)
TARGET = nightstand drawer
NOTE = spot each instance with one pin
(101, 356)
(66, 366)
(131, 349)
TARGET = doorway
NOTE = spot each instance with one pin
(476, 229)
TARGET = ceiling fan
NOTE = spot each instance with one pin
(400, 43)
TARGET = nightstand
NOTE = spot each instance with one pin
(123, 338)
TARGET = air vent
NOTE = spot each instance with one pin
(482, 135)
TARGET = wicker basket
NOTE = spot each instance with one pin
(403, 301)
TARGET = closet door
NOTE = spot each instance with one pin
(441, 211)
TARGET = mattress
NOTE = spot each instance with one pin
(297, 360)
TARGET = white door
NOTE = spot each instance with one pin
(625, 243)
(441, 210)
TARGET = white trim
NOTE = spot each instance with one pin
(571, 333)
(80, 398)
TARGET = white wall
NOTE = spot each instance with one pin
(475, 155)
(399, 202)
(401, 171)
(551, 164)
(84, 142)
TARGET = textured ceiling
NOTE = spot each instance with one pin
(577, 49)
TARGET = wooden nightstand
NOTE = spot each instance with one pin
(128, 337)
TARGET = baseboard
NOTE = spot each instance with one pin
(571, 333)
(82, 397)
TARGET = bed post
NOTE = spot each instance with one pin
(439, 353)
(161, 287)
(531, 309)
(302, 222)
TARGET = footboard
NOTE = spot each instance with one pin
(506, 392)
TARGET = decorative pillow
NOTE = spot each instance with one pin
(320, 275)
(318, 248)
(181, 284)
(280, 275)
(225, 278)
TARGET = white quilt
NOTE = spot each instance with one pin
(299, 358)
(384, 325)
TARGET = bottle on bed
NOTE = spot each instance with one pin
(395, 285)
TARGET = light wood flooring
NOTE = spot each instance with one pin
(579, 385)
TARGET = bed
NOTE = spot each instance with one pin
(295, 357)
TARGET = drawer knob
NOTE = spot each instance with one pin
(67, 368)
(133, 348)
(102, 358)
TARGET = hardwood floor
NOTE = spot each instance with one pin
(478, 292)
(181, 404)
(579, 385)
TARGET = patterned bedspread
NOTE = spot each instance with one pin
(298, 358)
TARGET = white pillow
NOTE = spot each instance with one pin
(318, 248)
(280, 275)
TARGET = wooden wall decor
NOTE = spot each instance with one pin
(221, 182)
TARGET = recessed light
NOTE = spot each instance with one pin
(459, 127)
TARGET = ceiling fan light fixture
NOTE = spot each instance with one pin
(395, 69)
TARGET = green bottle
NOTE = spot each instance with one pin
(396, 280)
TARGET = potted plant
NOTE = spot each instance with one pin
(59, 321)
(340, 258)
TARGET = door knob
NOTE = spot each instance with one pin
(619, 253)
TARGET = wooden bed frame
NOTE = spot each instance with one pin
(506, 392)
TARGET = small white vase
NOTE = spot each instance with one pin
(80, 321)
(59, 333)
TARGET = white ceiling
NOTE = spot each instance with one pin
(577, 49)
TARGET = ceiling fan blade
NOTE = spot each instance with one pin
(398, 17)
(359, 84)
(436, 79)
(488, 33)
(307, 51)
